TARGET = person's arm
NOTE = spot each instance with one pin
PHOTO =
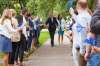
(56, 22)
(89, 47)
(47, 22)
(90, 12)
(74, 16)
(30, 23)
(14, 22)
(88, 19)
(9, 26)
(96, 49)
(88, 51)
(64, 22)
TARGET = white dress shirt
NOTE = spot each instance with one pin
(7, 28)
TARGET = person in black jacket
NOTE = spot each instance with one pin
(52, 25)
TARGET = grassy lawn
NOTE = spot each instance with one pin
(44, 36)
(1, 55)
(1, 64)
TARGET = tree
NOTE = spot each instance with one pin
(91, 4)
(44, 7)
(5, 4)
(40, 7)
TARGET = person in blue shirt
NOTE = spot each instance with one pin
(30, 30)
(37, 30)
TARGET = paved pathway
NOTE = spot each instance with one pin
(1, 61)
(65, 41)
(48, 56)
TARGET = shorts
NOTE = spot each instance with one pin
(60, 32)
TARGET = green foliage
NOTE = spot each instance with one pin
(44, 7)
(12, 4)
(23, 2)
(60, 6)
(31, 6)
(40, 7)
(1, 55)
(17, 7)
(5, 4)
(91, 4)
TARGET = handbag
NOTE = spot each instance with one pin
(15, 36)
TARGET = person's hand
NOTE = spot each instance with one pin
(41, 24)
(19, 30)
(86, 56)
(95, 49)
(71, 11)
(91, 34)
(46, 26)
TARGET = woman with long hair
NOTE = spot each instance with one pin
(61, 26)
(5, 37)
(80, 29)
(22, 23)
(15, 44)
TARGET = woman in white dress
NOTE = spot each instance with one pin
(80, 29)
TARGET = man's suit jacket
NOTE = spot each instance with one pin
(52, 24)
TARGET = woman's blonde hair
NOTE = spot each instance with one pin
(5, 15)
(14, 20)
(13, 12)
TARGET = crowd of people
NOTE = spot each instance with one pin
(19, 33)
(56, 23)
(85, 33)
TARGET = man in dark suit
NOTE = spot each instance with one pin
(52, 24)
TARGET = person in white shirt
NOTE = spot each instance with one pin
(15, 44)
(24, 36)
(80, 30)
(5, 36)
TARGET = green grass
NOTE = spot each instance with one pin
(1, 55)
(44, 36)
(1, 64)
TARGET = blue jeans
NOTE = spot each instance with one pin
(29, 41)
(94, 60)
(20, 49)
